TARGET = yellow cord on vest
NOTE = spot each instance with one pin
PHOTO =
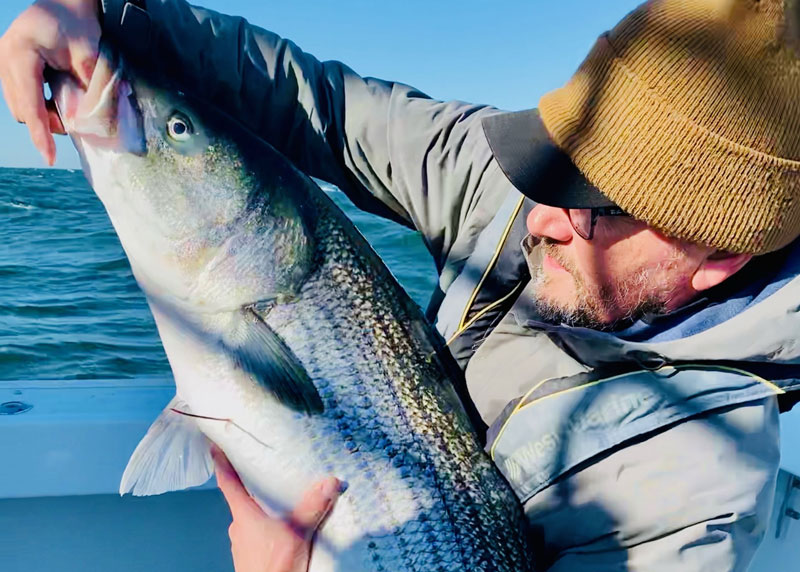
(522, 405)
(462, 323)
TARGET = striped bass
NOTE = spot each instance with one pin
(292, 346)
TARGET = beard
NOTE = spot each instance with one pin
(638, 293)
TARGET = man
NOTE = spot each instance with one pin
(618, 268)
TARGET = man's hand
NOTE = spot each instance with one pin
(264, 544)
(61, 34)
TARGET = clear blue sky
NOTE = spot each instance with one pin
(503, 52)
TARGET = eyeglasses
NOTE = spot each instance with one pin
(584, 220)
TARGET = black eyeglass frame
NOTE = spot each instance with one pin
(595, 213)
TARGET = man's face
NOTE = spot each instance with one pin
(624, 271)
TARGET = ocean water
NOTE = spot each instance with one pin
(69, 306)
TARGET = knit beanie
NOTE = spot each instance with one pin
(687, 116)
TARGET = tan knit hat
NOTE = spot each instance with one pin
(687, 115)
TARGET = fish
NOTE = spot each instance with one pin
(293, 347)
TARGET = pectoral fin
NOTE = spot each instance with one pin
(174, 455)
(258, 350)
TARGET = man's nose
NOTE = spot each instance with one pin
(550, 222)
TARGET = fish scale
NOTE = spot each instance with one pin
(293, 347)
(460, 532)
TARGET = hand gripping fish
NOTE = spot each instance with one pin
(292, 346)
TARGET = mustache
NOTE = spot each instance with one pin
(550, 248)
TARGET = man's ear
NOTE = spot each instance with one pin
(717, 267)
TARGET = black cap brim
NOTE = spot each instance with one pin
(535, 165)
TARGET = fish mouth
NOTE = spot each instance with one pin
(104, 114)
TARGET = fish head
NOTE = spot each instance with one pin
(206, 212)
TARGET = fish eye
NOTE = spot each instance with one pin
(179, 127)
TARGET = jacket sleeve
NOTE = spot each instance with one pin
(393, 150)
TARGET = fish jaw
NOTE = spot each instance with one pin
(104, 114)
